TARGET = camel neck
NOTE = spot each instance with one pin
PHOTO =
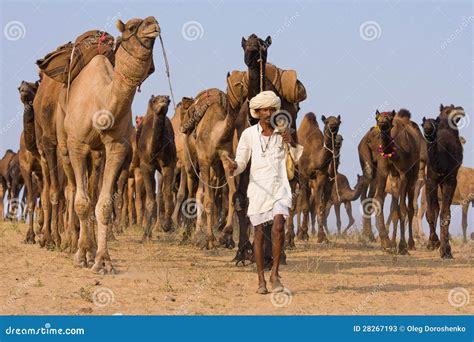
(255, 77)
(387, 141)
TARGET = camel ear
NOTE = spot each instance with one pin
(438, 120)
(462, 140)
(441, 107)
(120, 25)
(268, 41)
(423, 120)
(377, 113)
(244, 41)
(37, 84)
(323, 118)
(394, 113)
(339, 118)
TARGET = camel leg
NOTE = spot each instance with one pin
(432, 212)
(78, 156)
(180, 196)
(30, 235)
(209, 206)
(447, 189)
(323, 190)
(149, 181)
(417, 224)
(46, 206)
(167, 183)
(139, 200)
(290, 229)
(305, 198)
(115, 154)
(245, 250)
(337, 211)
(366, 197)
(51, 159)
(465, 208)
(402, 213)
(394, 217)
(348, 207)
(378, 201)
(313, 205)
(226, 239)
(3, 187)
(132, 217)
(421, 212)
(411, 212)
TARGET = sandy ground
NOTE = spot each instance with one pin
(162, 277)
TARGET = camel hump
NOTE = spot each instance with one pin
(311, 118)
(59, 65)
(194, 114)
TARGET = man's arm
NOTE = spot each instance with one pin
(296, 151)
(243, 153)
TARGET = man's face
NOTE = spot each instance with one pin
(265, 113)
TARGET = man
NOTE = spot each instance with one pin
(268, 191)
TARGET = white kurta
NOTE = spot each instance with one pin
(268, 182)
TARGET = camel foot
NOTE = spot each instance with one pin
(30, 239)
(393, 243)
(290, 242)
(103, 265)
(369, 235)
(322, 238)
(244, 253)
(386, 243)
(445, 251)
(402, 248)
(226, 240)
(303, 235)
(168, 226)
(209, 243)
(411, 245)
(433, 243)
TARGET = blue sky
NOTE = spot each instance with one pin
(352, 56)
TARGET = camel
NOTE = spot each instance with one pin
(319, 162)
(136, 189)
(181, 157)
(97, 117)
(29, 158)
(14, 183)
(255, 57)
(44, 107)
(4, 162)
(391, 147)
(157, 152)
(343, 195)
(208, 145)
(445, 155)
(463, 195)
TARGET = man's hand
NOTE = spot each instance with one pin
(231, 165)
(287, 138)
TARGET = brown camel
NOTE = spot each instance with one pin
(14, 184)
(343, 195)
(445, 155)
(463, 196)
(181, 158)
(136, 188)
(391, 147)
(97, 117)
(4, 162)
(209, 128)
(255, 57)
(318, 162)
(157, 152)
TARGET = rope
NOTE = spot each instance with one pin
(167, 71)
(197, 173)
(69, 76)
(261, 70)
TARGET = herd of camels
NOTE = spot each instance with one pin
(88, 172)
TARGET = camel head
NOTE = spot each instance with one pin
(255, 49)
(331, 124)
(28, 91)
(384, 120)
(158, 105)
(452, 113)
(430, 128)
(138, 36)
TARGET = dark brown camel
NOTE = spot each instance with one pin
(255, 57)
(391, 147)
(14, 183)
(318, 162)
(157, 152)
(445, 155)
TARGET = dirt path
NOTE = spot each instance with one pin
(163, 277)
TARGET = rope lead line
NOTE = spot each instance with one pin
(168, 75)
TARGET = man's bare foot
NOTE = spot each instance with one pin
(262, 289)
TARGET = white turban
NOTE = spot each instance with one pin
(266, 99)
